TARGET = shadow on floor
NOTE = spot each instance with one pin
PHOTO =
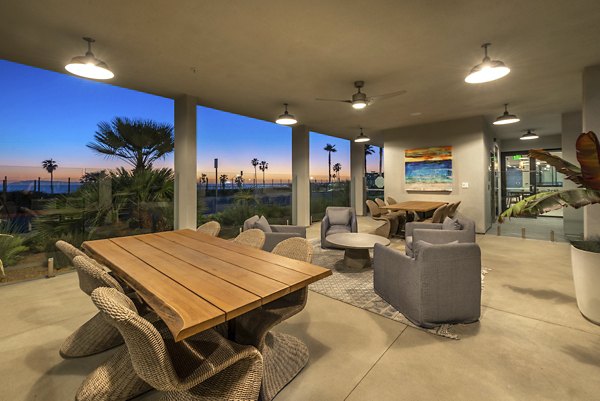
(550, 295)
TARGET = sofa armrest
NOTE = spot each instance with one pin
(442, 236)
(272, 239)
(353, 223)
(410, 227)
(289, 229)
(324, 226)
(396, 277)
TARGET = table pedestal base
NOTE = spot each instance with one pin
(357, 258)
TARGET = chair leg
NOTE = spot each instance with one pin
(284, 356)
(93, 337)
(115, 380)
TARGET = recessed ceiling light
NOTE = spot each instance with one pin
(362, 137)
(416, 114)
(506, 118)
(286, 118)
(529, 135)
(89, 66)
(488, 70)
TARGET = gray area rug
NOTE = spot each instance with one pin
(355, 287)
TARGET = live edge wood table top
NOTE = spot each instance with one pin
(194, 281)
(417, 206)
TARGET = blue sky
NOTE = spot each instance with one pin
(45, 114)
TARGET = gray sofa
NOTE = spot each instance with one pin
(442, 285)
(277, 234)
(435, 233)
(337, 220)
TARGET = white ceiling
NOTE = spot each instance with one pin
(248, 57)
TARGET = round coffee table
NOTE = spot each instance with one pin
(357, 245)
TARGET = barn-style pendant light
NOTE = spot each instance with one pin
(488, 70)
(362, 137)
(506, 118)
(89, 66)
(529, 135)
(286, 118)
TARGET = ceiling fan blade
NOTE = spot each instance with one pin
(387, 95)
(334, 100)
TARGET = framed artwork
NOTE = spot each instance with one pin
(428, 169)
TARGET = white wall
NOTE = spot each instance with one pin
(469, 163)
(571, 128)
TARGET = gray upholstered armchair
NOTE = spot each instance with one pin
(442, 285)
(274, 234)
(337, 220)
(440, 233)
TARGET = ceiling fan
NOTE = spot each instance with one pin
(360, 100)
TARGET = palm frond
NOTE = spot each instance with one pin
(548, 201)
(571, 171)
(588, 155)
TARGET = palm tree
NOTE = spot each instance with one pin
(254, 164)
(380, 159)
(263, 166)
(368, 151)
(50, 165)
(138, 142)
(329, 148)
(223, 180)
(337, 167)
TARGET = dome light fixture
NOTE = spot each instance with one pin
(286, 118)
(89, 66)
(362, 137)
(506, 118)
(529, 135)
(488, 70)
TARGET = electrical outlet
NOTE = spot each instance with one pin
(464, 185)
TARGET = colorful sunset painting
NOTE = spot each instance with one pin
(428, 169)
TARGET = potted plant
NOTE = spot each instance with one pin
(585, 255)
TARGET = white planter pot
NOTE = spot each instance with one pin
(586, 275)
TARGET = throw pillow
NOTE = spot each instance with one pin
(263, 225)
(420, 245)
(451, 224)
(339, 217)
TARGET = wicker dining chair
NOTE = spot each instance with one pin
(95, 335)
(438, 215)
(254, 238)
(283, 355)
(212, 228)
(295, 248)
(385, 229)
(390, 201)
(69, 250)
(452, 208)
(203, 367)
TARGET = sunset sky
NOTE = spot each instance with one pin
(45, 114)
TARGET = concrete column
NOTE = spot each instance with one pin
(301, 175)
(185, 162)
(571, 128)
(591, 122)
(357, 177)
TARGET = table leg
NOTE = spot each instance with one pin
(357, 258)
(283, 355)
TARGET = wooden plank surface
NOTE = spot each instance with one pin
(417, 206)
(194, 281)
(182, 311)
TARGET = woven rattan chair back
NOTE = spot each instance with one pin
(439, 215)
(373, 208)
(390, 200)
(380, 202)
(212, 228)
(92, 276)
(69, 250)
(295, 248)
(254, 238)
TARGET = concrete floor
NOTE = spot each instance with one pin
(531, 342)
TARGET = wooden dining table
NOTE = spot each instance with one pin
(194, 281)
(415, 206)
